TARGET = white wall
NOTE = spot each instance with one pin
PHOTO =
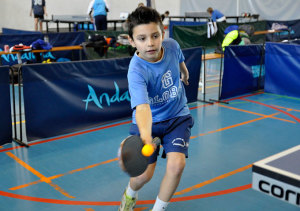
(273, 9)
(15, 13)
(267, 9)
(227, 7)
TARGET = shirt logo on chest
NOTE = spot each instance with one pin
(170, 90)
(167, 80)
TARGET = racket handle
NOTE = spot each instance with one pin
(156, 141)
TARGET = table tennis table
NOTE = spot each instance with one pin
(206, 18)
(76, 21)
(279, 176)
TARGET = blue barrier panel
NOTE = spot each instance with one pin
(55, 39)
(296, 41)
(5, 112)
(242, 65)
(282, 69)
(182, 23)
(61, 98)
(17, 31)
(193, 63)
(66, 97)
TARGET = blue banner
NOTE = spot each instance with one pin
(60, 98)
(282, 69)
(55, 39)
(5, 106)
(66, 97)
(242, 67)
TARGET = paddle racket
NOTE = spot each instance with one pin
(131, 158)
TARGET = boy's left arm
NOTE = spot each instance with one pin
(184, 73)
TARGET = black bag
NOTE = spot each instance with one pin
(249, 29)
(14, 72)
(98, 42)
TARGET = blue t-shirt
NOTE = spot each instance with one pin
(158, 84)
(99, 8)
(216, 14)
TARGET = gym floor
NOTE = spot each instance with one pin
(80, 171)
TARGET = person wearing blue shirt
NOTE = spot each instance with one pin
(156, 75)
(216, 15)
(100, 9)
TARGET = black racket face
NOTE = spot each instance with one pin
(134, 162)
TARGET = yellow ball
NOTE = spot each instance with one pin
(147, 150)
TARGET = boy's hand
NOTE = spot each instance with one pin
(184, 73)
(146, 139)
(185, 78)
(149, 140)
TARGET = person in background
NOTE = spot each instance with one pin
(99, 8)
(237, 35)
(38, 7)
(216, 16)
(165, 15)
(165, 21)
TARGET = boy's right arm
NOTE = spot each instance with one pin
(143, 118)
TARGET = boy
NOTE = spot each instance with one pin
(159, 103)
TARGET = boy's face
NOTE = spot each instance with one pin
(147, 38)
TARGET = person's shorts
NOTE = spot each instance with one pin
(174, 134)
(40, 17)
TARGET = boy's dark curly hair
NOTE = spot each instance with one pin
(143, 15)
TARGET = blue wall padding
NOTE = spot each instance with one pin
(242, 67)
(283, 69)
(5, 107)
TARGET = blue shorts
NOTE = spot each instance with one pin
(174, 134)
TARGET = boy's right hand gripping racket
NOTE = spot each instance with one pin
(131, 159)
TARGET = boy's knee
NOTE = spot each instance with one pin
(176, 165)
(143, 179)
(146, 176)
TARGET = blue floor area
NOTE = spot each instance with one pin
(81, 172)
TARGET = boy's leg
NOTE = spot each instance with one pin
(175, 143)
(175, 167)
(136, 183)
